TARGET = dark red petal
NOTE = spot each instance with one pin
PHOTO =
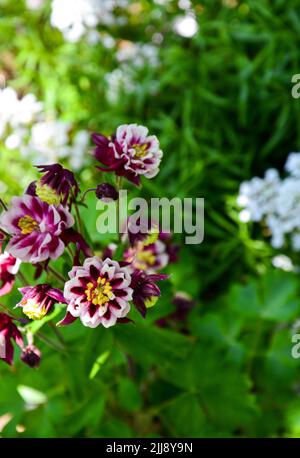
(57, 295)
(7, 285)
(124, 320)
(68, 319)
(140, 306)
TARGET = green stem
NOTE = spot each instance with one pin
(85, 194)
(50, 342)
(70, 253)
(57, 275)
(22, 278)
(3, 205)
(78, 218)
(8, 311)
(57, 332)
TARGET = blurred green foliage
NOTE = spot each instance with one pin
(221, 106)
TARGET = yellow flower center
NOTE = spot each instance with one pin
(140, 151)
(144, 259)
(152, 237)
(33, 310)
(47, 194)
(27, 224)
(99, 294)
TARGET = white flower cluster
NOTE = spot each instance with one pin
(74, 18)
(34, 5)
(137, 54)
(118, 81)
(24, 126)
(131, 57)
(283, 262)
(275, 201)
(17, 112)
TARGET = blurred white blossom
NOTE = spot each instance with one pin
(25, 127)
(49, 141)
(184, 4)
(186, 26)
(17, 112)
(138, 54)
(283, 262)
(131, 57)
(118, 81)
(292, 164)
(78, 155)
(75, 17)
(34, 4)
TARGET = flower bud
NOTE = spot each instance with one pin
(106, 192)
(31, 356)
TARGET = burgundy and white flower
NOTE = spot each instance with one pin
(9, 267)
(57, 185)
(150, 248)
(8, 333)
(145, 290)
(148, 258)
(36, 228)
(39, 300)
(98, 293)
(130, 152)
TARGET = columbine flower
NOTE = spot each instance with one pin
(98, 293)
(36, 228)
(9, 267)
(147, 257)
(145, 291)
(150, 249)
(184, 304)
(57, 185)
(141, 231)
(31, 356)
(8, 332)
(150, 252)
(129, 153)
(39, 300)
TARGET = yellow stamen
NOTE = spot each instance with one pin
(144, 259)
(152, 237)
(99, 294)
(33, 310)
(27, 224)
(151, 301)
(140, 151)
(47, 194)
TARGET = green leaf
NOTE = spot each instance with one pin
(151, 345)
(129, 396)
(98, 364)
